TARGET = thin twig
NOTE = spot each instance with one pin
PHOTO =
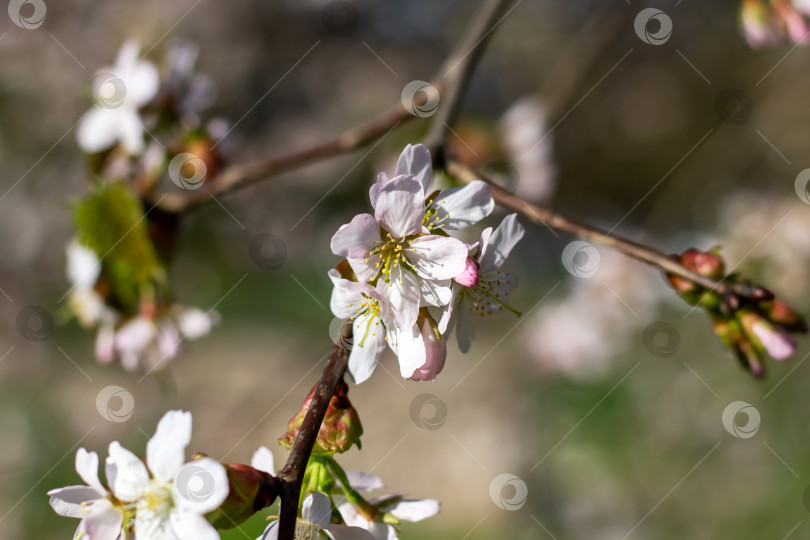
(637, 251)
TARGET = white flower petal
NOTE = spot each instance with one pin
(363, 358)
(415, 160)
(415, 510)
(437, 257)
(98, 130)
(142, 84)
(495, 251)
(271, 532)
(374, 191)
(401, 294)
(190, 526)
(135, 335)
(83, 266)
(356, 238)
(103, 521)
(130, 131)
(131, 476)
(165, 451)
(200, 486)
(342, 532)
(401, 206)
(317, 509)
(87, 467)
(407, 344)
(105, 341)
(346, 300)
(458, 208)
(364, 482)
(67, 501)
(195, 323)
(436, 293)
(263, 460)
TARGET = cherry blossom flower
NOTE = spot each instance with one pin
(170, 498)
(314, 523)
(83, 270)
(119, 91)
(101, 518)
(482, 289)
(395, 505)
(392, 246)
(374, 325)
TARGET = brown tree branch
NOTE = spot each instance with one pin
(640, 252)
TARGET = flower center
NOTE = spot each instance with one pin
(392, 254)
(483, 297)
(433, 219)
(306, 530)
(157, 499)
(370, 309)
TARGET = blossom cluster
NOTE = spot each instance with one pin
(768, 22)
(406, 282)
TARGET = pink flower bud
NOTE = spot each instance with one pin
(251, 490)
(435, 354)
(469, 277)
(774, 339)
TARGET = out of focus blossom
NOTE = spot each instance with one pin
(767, 22)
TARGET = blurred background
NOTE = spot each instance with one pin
(612, 424)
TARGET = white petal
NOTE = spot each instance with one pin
(500, 244)
(165, 451)
(402, 294)
(342, 532)
(437, 257)
(130, 131)
(271, 532)
(415, 160)
(407, 344)
(415, 510)
(317, 509)
(374, 191)
(67, 501)
(83, 266)
(168, 341)
(98, 130)
(190, 526)
(356, 238)
(436, 293)
(127, 56)
(351, 516)
(131, 476)
(363, 358)
(346, 300)
(135, 334)
(103, 521)
(461, 207)
(142, 84)
(87, 467)
(263, 460)
(105, 341)
(364, 482)
(465, 332)
(200, 486)
(401, 206)
(195, 323)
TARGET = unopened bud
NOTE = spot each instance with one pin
(766, 336)
(781, 314)
(341, 427)
(251, 490)
(469, 276)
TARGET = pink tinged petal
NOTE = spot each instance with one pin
(317, 509)
(200, 486)
(469, 277)
(401, 206)
(190, 526)
(168, 341)
(407, 344)
(458, 208)
(165, 451)
(435, 356)
(103, 522)
(435, 293)
(364, 482)
(346, 300)
(263, 460)
(465, 332)
(195, 323)
(374, 191)
(98, 130)
(87, 467)
(356, 238)
(500, 244)
(131, 476)
(415, 160)
(105, 342)
(401, 294)
(437, 257)
(363, 358)
(444, 313)
(415, 510)
(67, 501)
(135, 335)
(342, 532)
(776, 341)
